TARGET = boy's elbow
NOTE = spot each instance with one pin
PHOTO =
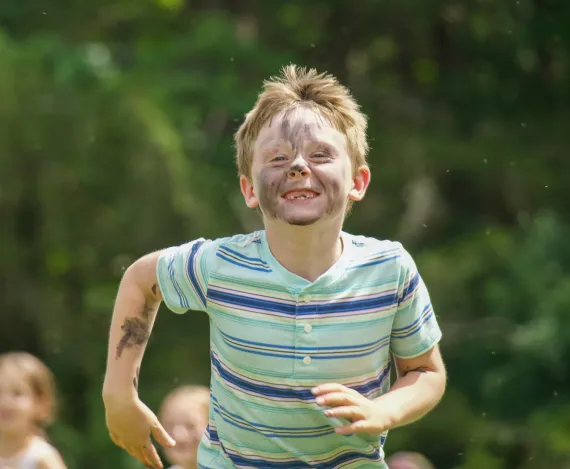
(439, 383)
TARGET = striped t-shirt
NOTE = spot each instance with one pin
(274, 336)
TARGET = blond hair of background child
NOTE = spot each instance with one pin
(184, 415)
(27, 407)
(409, 460)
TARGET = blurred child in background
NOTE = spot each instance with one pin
(408, 460)
(184, 415)
(27, 404)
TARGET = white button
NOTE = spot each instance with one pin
(308, 328)
(307, 360)
(307, 298)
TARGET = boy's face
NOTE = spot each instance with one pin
(185, 421)
(301, 170)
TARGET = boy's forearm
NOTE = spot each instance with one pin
(413, 395)
(134, 314)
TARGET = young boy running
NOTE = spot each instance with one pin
(305, 319)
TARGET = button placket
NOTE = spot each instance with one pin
(305, 336)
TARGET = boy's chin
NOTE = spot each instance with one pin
(302, 217)
(302, 221)
(293, 219)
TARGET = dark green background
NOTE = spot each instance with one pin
(116, 122)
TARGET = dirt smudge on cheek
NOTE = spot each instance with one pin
(268, 192)
(336, 200)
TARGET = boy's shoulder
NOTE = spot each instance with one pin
(238, 247)
(238, 241)
(372, 253)
(237, 252)
(365, 245)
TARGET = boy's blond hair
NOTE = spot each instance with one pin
(200, 395)
(297, 86)
(40, 379)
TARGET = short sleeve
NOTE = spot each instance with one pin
(182, 273)
(415, 329)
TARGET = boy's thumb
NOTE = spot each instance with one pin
(161, 436)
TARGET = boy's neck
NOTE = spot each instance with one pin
(307, 251)
(12, 445)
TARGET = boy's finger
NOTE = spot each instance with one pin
(140, 454)
(162, 436)
(328, 387)
(135, 453)
(143, 457)
(335, 399)
(346, 412)
(151, 456)
(355, 427)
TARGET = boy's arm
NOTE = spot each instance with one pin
(414, 344)
(134, 313)
(418, 389)
(129, 421)
(421, 372)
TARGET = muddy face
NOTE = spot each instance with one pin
(301, 169)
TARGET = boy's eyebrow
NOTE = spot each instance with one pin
(271, 144)
(270, 150)
(274, 145)
(323, 144)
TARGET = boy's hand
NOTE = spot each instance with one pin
(130, 426)
(367, 416)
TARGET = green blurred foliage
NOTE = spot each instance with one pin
(116, 123)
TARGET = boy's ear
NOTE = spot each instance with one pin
(360, 183)
(248, 191)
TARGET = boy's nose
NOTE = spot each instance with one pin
(298, 171)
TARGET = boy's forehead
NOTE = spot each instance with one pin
(301, 123)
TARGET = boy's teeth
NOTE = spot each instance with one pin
(300, 196)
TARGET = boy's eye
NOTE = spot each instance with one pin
(320, 155)
(279, 158)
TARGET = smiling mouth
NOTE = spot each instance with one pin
(300, 195)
